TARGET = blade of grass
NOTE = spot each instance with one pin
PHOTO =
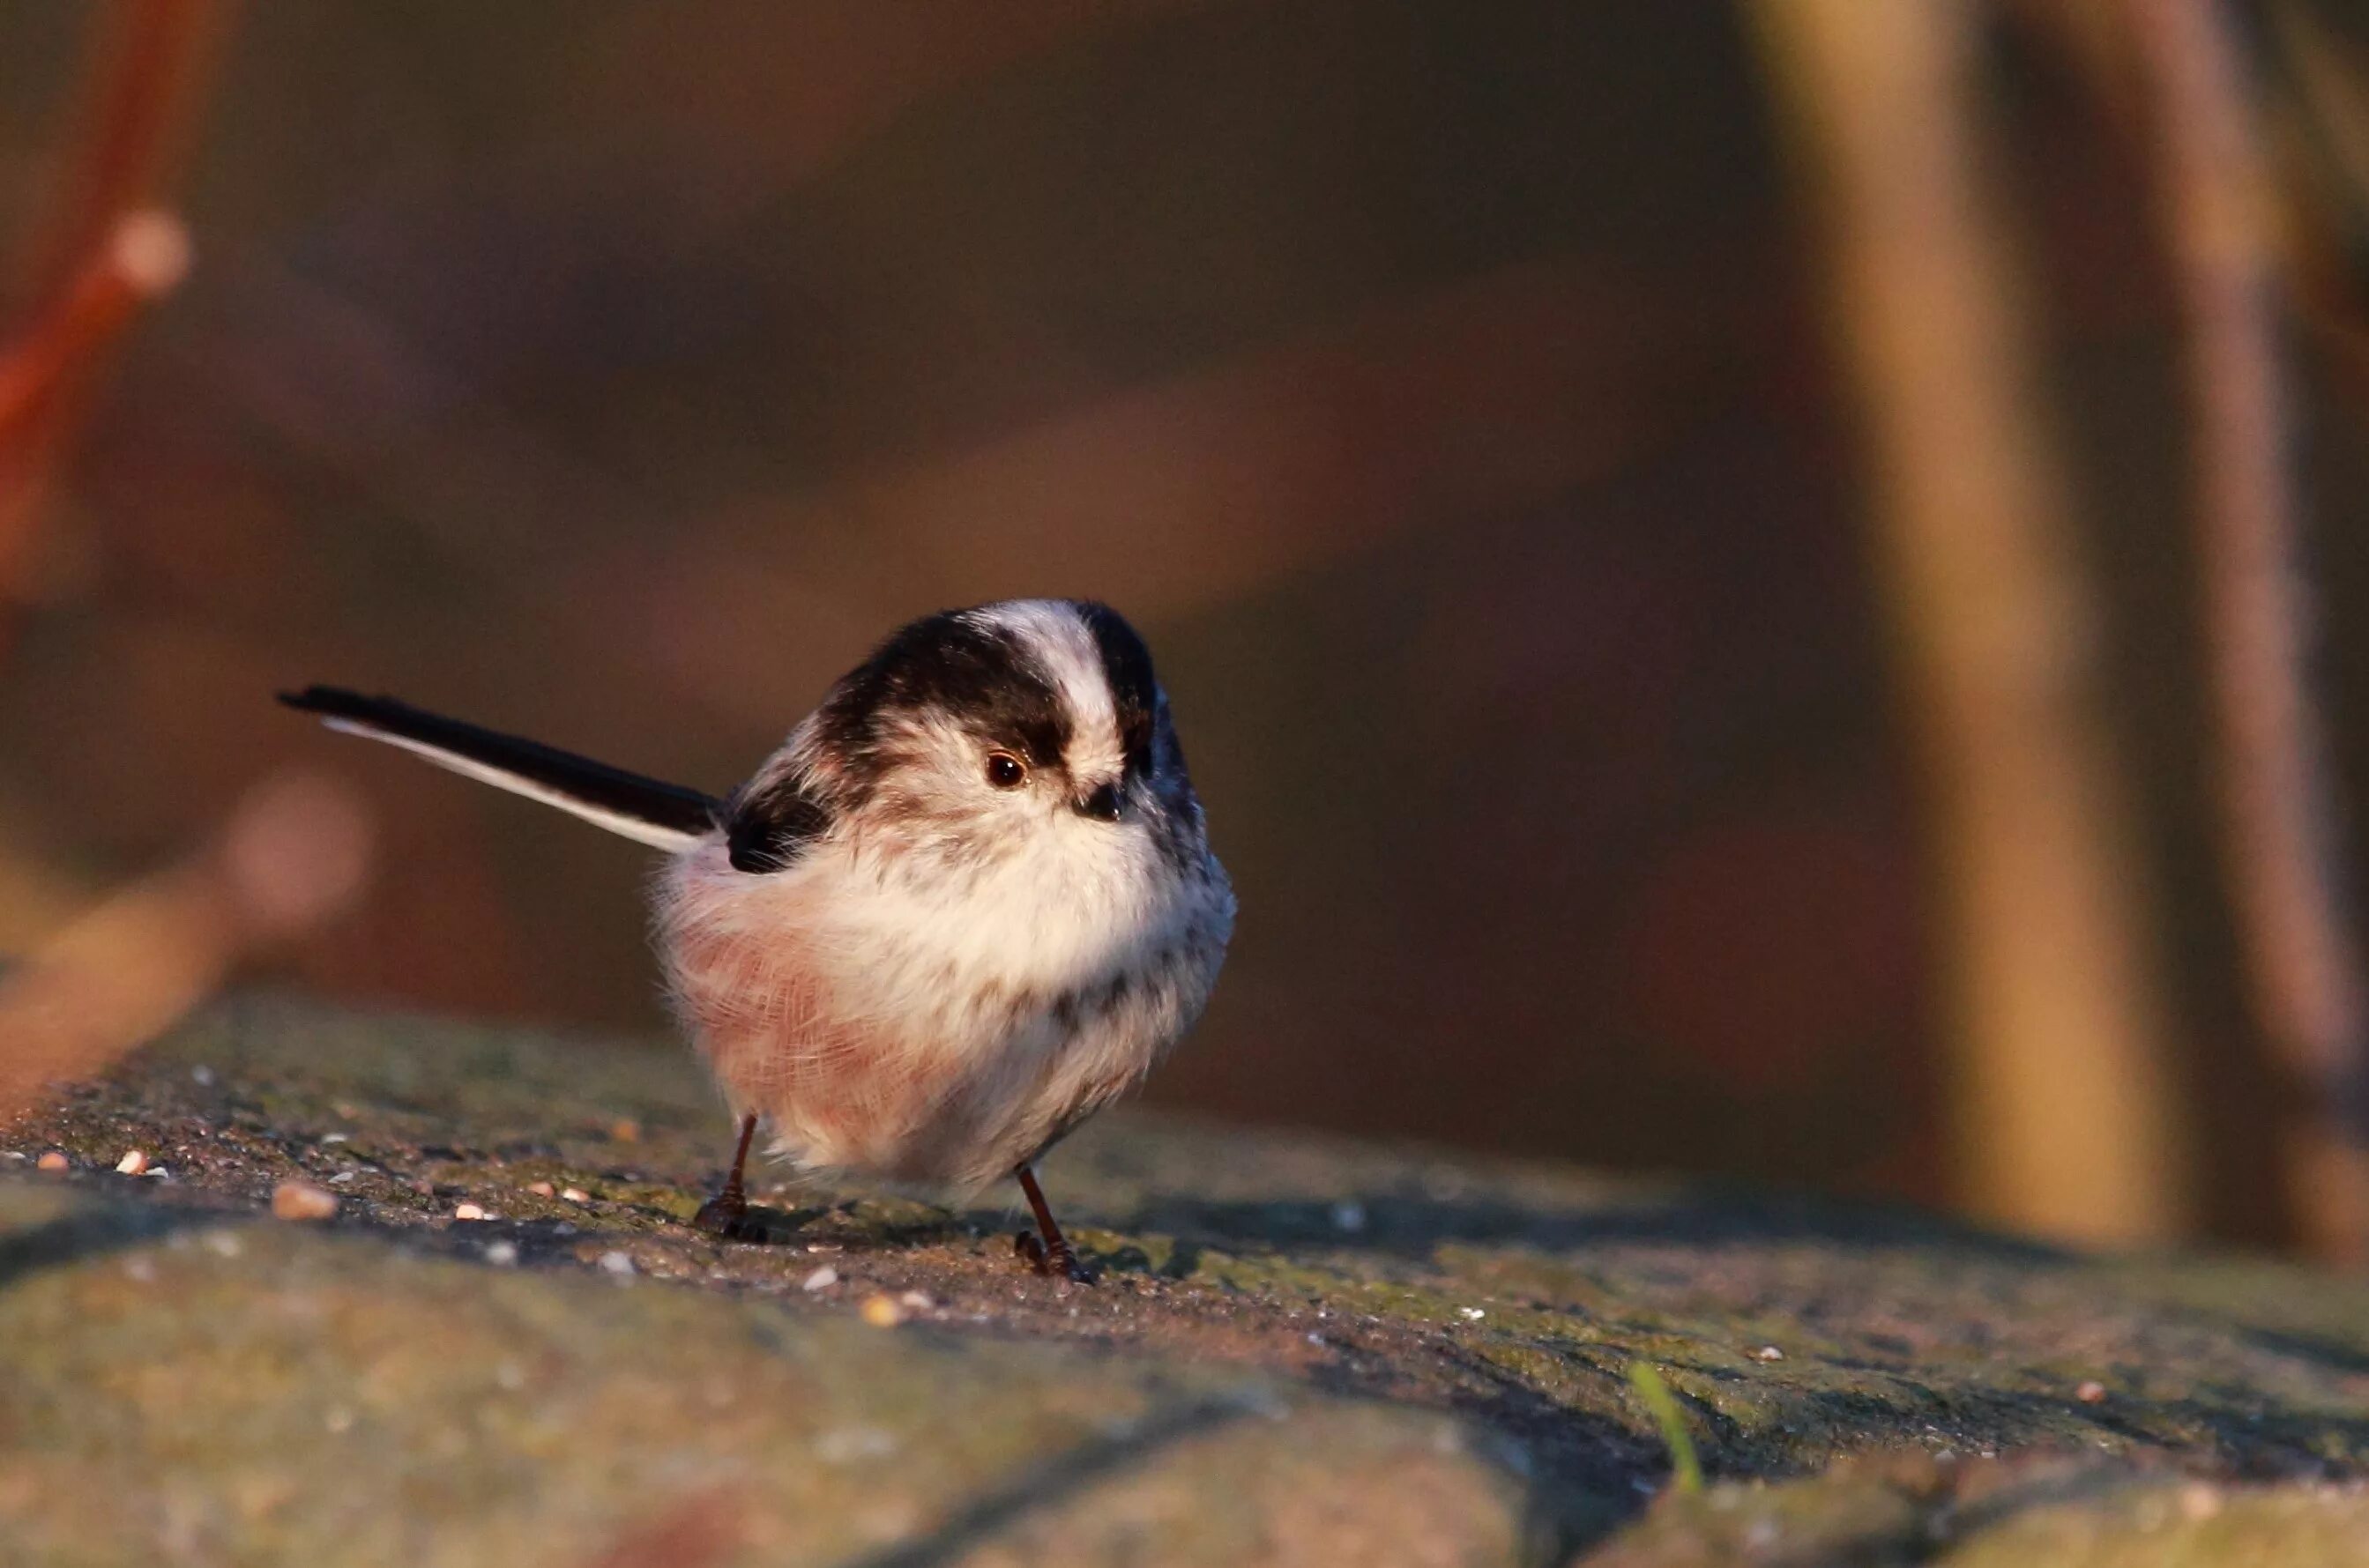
(1685, 1466)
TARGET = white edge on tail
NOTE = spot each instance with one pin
(655, 834)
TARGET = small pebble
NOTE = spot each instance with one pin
(918, 1301)
(203, 1077)
(54, 1160)
(541, 1188)
(2091, 1393)
(616, 1263)
(1768, 1353)
(502, 1254)
(156, 1173)
(882, 1311)
(469, 1211)
(1472, 1315)
(335, 1138)
(302, 1201)
(576, 1195)
(822, 1278)
(132, 1163)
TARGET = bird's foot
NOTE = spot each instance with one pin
(727, 1217)
(1059, 1260)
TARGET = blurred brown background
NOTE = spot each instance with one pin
(1443, 387)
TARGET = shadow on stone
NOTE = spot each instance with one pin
(2347, 1360)
(89, 1231)
(1413, 1225)
(1057, 1481)
(1580, 1472)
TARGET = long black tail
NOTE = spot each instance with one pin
(667, 816)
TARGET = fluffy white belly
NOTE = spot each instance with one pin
(943, 1024)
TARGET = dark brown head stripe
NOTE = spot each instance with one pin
(947, 665)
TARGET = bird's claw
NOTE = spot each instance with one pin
(1060, 1260)
(728, 1217)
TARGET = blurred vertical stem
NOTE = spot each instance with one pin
(2064, 1116)
(293, 854)
(2301, 946)
(2318, 146)
(103, 252)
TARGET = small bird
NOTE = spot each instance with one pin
(968, 903)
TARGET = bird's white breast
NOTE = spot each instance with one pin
(937, 1020)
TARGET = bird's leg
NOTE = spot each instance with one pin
(1052, 1254)
(727, 1213)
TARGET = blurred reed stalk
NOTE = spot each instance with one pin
(122, 970)
(144, 257)
(2301, 944)
(2063, 1116)
(294, 852)
(108, 247)
(2320, 146)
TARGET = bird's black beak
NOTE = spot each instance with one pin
(1102, 804)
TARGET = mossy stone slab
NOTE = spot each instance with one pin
(1299, 1344)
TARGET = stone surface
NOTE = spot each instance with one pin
(1299, 1350)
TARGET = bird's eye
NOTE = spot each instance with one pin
(1005, 771)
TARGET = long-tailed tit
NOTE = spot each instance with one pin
(968, 903)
